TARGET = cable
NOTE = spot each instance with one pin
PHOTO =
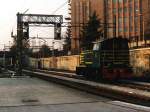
(59, 7)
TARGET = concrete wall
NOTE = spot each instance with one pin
(33, 62)
(68, 63)
(140, 60)
(63, 62)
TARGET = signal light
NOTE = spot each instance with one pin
(57, 35)
(26, 31)
(26, 35)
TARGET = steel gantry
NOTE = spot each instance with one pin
(23, 22)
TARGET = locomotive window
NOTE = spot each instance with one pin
(96, 46)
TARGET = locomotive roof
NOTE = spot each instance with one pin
(109, 39)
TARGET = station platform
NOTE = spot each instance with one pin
(35, 95)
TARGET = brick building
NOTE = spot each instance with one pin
(80, 12)
(131, 19)
(126, 18)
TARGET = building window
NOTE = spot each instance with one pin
(125, 20)
(120, 10)
(136, 28)
(131, 23)
(130, 10)
(114, 10)
(136, 24)
(114, 19)
(125, 1)
(125, 28)
(120, 20)
(120, 1)
(120, 29)
(131, 19)
(131, 27)
(110, 31)
(136, 9)
(136, 19)
(114, 1)
(136, 4)
(136, 1)
(130, 3)
(125, 9)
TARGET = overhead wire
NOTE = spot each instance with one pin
(61, 6)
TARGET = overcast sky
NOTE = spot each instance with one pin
(9, 9)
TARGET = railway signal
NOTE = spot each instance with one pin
(23, 22)
(26, 31)
(57, 35)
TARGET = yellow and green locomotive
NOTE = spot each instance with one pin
(109, 59)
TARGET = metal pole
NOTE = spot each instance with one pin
(19, 43)
(53, 48)
(144, 32)
(53, 52)
(4, 58)
(39, 49)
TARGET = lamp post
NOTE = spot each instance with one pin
(53, 54)
(143, 30)
(142, 23)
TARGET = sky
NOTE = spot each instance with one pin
(8, 18)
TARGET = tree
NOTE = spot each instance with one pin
(14, 50)
(147, 31)
(13, 53)
(67, 40)
(44, 51)
(91, 31)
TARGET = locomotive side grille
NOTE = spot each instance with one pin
(86, 57)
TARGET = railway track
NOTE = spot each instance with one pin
(136, 84)
(122, 83)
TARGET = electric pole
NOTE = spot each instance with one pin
(19, 43)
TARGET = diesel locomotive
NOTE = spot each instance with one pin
(109, 59)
